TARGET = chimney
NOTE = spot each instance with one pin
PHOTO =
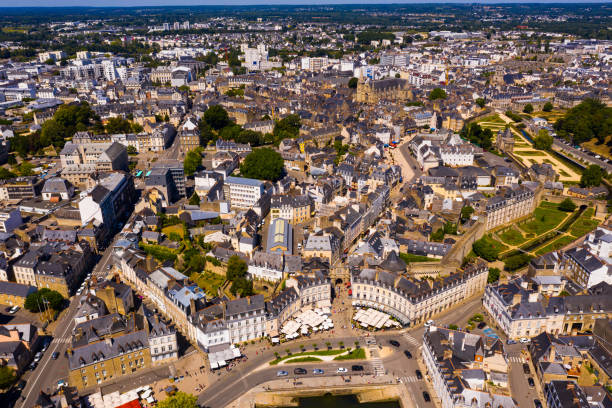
(192, 305)
(553, 352)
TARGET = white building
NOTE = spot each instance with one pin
(243, 192)
(10, 218)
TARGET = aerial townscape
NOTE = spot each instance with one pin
(324, 205)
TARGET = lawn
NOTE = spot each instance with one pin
(512, 236)
(177, 229)
(303, 360)
(529, 153)
(490, 241)
(357, 354)
(543, 221)
(209, 281)
(308, 353)
(492, 118)
(583, 225)
(408, 258)
(556, 244)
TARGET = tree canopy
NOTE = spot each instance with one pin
(437, 93)
(195, 199)
(548, 107)
(543, 140)
(35, 302)
(483, 249)
(237, 274)
(590, 119)
(7, 377)
(352, 83)
(263, 164)
(528, 108)
(287, 127)
(591, 176)
(193, 160)
(179, 400)
(474, 133)
(567, 205)
(216, 117)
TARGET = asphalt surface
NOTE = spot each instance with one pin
(562, 147)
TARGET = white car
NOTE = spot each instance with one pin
(14, 309)
(341, 370)
(429, 323)
(524, 340)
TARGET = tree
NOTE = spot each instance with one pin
(7, 377)
(263, 164)
(475, 134)
(589, 119)
(193, 160)
(493, 275)
(179, 400)
(216, 117)
(543, 141)
(547, 107)
(6, 174)
(591, 176)
(118, 125)
(528, 108)
(466, 213)
(287, 127)
(567, 205)
(236, 268)
(132, 150)
(484, 249)
(438, 235)
(35, 302)
(195, 199)
(25, 168)
(437, 93)
(481, 102)
(352, 83)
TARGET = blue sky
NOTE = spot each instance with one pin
(135, 3)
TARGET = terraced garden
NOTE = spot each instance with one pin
(549, 229)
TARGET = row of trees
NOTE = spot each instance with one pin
(475, 134)
(237, 274)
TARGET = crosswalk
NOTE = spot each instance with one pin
(62, 340)
(516, 359)
(375, 360)
(414, 342)
(411, 379)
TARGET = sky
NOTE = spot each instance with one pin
(137, 3)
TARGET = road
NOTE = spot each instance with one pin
(49, 371)
(567, 148)
(243, 377)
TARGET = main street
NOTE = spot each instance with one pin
(246, 376)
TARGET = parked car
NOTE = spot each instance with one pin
(510, 341)
(482, 325)
(537, 403)
(14, 309)
(526, 368)
(418, 374)
(20, 385)
(429, 323)
(61, 383)
(357, 368)
(394, 343)
(318, 371)
(300, 371)
(55, 355)
(407, 354)
(33, 365)
(524, 340)
(341, 370)
(426, 396)
(38, 356)
(282, 373)
(45, 346)
(530, 382)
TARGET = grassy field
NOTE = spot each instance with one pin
(178, 229)
(408, 258)
(544, 220)
(210, 282)
(308, 353)
(584, 224)
(303, 360)
(529, 153)
(489, 240)
(492, 119)
(357, 354)
(556, 244)
(512, 236)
